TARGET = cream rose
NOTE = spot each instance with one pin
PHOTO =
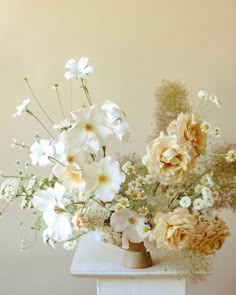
(168, 161)
(209, 237)
(187, 128)
(173, 230)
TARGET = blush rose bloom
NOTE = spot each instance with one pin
(173, 230)
(209, 238)
(168, 161)
(187, 128)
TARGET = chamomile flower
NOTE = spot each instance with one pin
(145, 230)
(140, 180)
(13, 143)
(198, 204)
(142, 195)
(230, 156)
(202, 94)
(123, 203)
(128, 168)
(70, 245)
(133, 184)
(216, 132)
(143, 211)
(170, 193)
(133, 193)
(205, 127)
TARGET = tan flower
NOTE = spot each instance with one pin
(209, 237)
(168, 161)
(173, 230)
(187, 127)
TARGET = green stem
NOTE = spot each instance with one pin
(59, 99)
(83, 85)
(53, 159)
(27, 82)
(22, 177)
(4, 209)
(39, 121)
(22, 145)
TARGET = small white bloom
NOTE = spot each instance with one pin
(216, 132)
(148, 179)
(206, 192)
(202, 94)
(198, 204)
(230, 156)
(21, 108)
(133, 184)
(41, 151)
(65, 124)
(170, 193)
(143, 211)
(9, 189)
(208, 201)
(123, 202)
(140, 180)
(103, 178)
(133, 193)
(128, 168)
(207, 180)
(185, 202)
(80, 196)
(145, 230)
(79, 69)
(215, 100)
(13, 143)
(205, 127)
(70, 245)
(142, 195)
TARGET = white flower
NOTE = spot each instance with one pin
(145, 230)
(128, 168)
(129, 223)
(70, 245)
(117, 120)
(185, 202)
(13, 143)
(207, 180)
(122, 203)
(198, 204)
(202, 94)
(103, 178)
(231, 156)
(216, 132)
(143, 211)
(41, 151)
(9, 189)
(215, 100)
(63, 125)
(205, 127)
(51, 203)
(78, 69)
(70, 175)
(91, 131)
(21, 108)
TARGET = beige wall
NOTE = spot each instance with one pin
(134, 44)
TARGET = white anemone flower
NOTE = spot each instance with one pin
(21, 108)
(79, 69)
(117, 120)
(103, 178)
(41, 151)
(52, 204)
(128, 223)
(198, 204)
(70, 175)
(91, 132)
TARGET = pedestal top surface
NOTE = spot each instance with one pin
(94, 258)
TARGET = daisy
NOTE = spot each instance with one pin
(231, 156)
(21, 108)
(205, 127)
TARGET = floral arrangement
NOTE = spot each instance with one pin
(166, 199)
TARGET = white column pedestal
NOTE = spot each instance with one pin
(94, 259)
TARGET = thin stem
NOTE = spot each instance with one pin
(54, 159)
(40, 122)
(21, 177)
(27, 82)
(59, 99)
(22, 145)
(4, 209)
(83, 85)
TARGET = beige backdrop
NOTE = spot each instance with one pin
(134, 44)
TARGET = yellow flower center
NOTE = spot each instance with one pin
(88, 127)
(130, 169)
(102, 178)
(70, 159)
(132, 220)
(74, 176)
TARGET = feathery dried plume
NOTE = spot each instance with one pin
(171, 100)
(224, 174)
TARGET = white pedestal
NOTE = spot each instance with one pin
(94, 259)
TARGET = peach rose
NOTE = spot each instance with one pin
(187, 128)
(173, 230)
(209, 237)
(168, 161)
